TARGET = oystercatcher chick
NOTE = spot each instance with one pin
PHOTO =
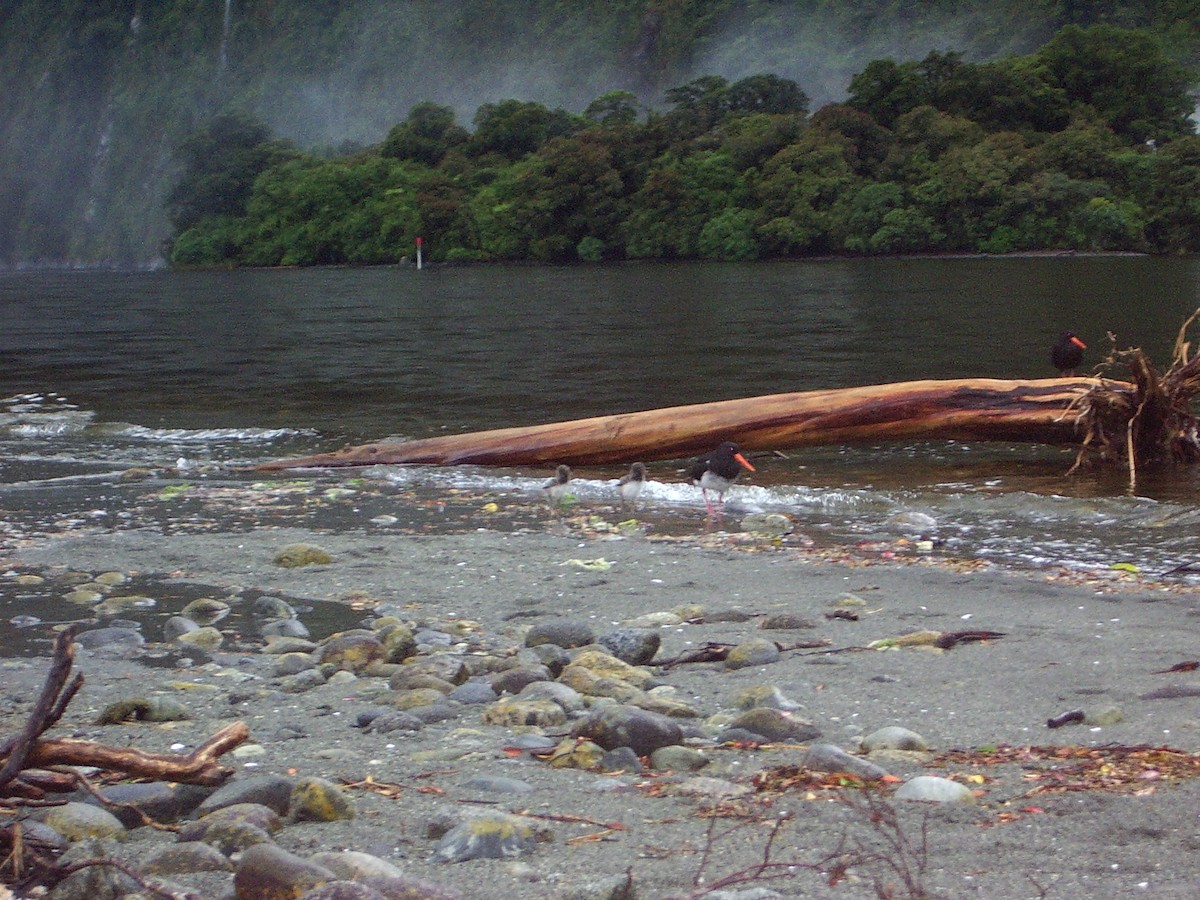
(1067, 354)
(717, 470)
(556, 488)
(630, 486)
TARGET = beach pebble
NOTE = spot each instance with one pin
(893, 737)
(207, 639)
(111, 641)
(418, 697)
(911, 522)
(654, 620)
(205, 611)
(267, 607)
(552, 656)
(511, 712)
(302, 682)
(472, 693)
(397, 720)
(399, 643)
(786, 622)
(280, 644)
(318, 800)
(448, 667)
(92, 882)
(707, 788)
(768, 524)
(176, 626)
(495, 784)
(266, 870)
(513, 681)
(292, 628)
(1104, 715)
(764, 695)
(566, 633)
(294, 556)
(932, 789)
(636, 646)
(353, 865)
(565, 696)
(187, 856)
(754, 652)
(115, 606)
(143, 709)
(83, 596)
(628, 726)
(829, 758)
(353, 651)
(588, 683)
(162, 801)
(620, 759)
(293, 664)
(226, 837)
(486, 836)
(76, 820)
(586, 755)
(406, 680)
(605, 665)
(678, 758)
(775, 725)
(273, 791)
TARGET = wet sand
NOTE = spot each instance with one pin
(1078, 642)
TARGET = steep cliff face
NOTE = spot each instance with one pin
(99, 93)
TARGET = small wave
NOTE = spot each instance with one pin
(198, 435)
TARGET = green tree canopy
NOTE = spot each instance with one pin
(220, 163)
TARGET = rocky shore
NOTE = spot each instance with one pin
(603, 715)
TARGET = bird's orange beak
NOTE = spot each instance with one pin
(745, 463)
(1078, 343)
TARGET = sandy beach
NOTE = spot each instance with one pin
(1100, 816)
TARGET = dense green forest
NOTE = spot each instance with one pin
(113, 107)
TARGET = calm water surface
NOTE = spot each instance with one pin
(105, 371)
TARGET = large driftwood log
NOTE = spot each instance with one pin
(977, 409)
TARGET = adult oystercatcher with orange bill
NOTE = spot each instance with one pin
(717, 470)
(1067, 354)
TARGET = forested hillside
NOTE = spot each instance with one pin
(100, 95)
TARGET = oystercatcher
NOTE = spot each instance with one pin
(717, 470)
(630, 486)
(556, 488)
(1067, 354)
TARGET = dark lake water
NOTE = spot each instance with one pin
(105, 371)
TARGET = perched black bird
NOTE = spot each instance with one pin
(630, 486)
(717, 470)
(1067, 354)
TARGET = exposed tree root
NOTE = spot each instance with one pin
(1148, 421)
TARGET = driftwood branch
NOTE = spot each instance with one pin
(48, 709)
(25, 781)
(26, 754)
(978, 409)
(198, 767)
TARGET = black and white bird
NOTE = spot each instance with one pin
(556, 488)
(717, 470)
(630, 486)
(1067, 354)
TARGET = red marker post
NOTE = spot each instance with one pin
(420, 244)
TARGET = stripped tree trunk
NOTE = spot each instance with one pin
(1043, 411)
